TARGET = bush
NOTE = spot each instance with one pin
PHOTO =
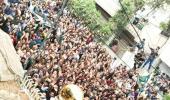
(166, 97)
(163, 26)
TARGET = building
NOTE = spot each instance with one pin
(108, 8)
(165, 58)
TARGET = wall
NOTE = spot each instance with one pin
(165, 54)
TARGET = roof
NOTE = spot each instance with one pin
(110, 6)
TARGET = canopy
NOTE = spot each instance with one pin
(10, 65)
(110, 6)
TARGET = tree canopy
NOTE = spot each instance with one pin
(86, 10)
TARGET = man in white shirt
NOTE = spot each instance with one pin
(115, 63)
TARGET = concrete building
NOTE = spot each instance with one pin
(165, 58)
(108, 7)
(151, 31)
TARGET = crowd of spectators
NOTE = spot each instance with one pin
(160, 84)
(69, 55)
(74, 57)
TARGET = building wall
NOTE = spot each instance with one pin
(165, 53)
(164, 68)
(151, 30)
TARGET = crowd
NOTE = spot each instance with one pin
(79, 60)
(69, 55)
(158, 86)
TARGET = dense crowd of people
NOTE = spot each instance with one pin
(157, 87)
(69, 55)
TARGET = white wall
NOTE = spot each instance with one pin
(110, 6)
(165, 53)
(164, 68)
(151, 31)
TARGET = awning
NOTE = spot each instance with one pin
(110, 6)
(165, 54)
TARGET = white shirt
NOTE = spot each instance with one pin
(115, 64)
(52, 98)
(58, 32)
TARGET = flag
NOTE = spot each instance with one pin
(143, 79)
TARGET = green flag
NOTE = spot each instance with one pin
(143, 79)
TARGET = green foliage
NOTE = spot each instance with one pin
(139, 4)
(166, 97)
(163, 26)
(120, 19)
(157, 3)
(129, 6)
(86, 10)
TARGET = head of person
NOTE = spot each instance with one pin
(158, 48)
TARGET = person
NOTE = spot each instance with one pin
(112, 65)
(141, 44)
(73, 59)
(136, 21)
(139, 59)
(114, 45)
(151, 58)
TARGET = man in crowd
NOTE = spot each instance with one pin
(139, 59)
(151, 58)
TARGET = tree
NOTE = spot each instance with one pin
(138, 4)
(165, 26)
(86, 10)
(120, 20)
(157, 3)
(167, 97)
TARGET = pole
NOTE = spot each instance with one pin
(129, 20)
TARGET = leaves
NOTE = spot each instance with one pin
(163, 26)
(167, 97)
(86, 10)
(120, 19)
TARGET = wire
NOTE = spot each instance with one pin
(130, 21)
(149, 37)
